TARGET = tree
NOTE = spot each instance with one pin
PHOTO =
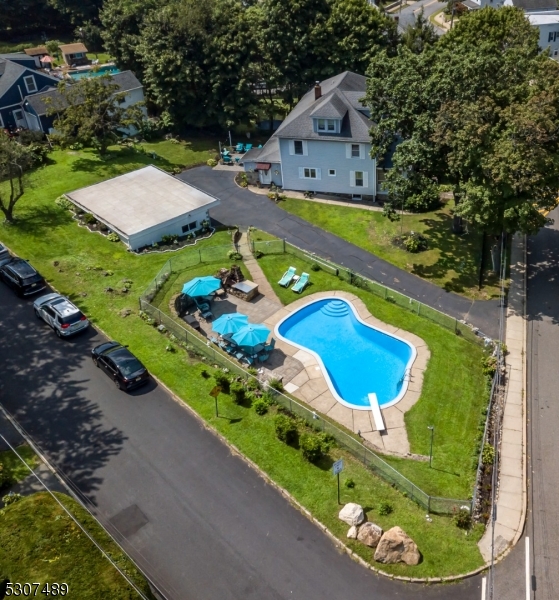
(421, 34)
(478, 111)
(78, 11)
(90, 34)
(90, 112)
(52, 47)
(15, 161)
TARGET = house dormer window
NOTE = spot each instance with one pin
(326, 125)
(30, 84)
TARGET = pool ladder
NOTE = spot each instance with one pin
(406, 376)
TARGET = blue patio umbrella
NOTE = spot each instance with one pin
(230, 323)
(201, 286)
(251, 335)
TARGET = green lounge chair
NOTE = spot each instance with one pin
(287, 277)
(301, 283)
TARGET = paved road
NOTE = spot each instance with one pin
(241, 207)
(408, 13)
(200, 522)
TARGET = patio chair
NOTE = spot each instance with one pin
(248, 147)
(301, 283)
(202, 306)
(227, 160)
(237, 159)
(239, 147)
(248, 359)
(287, 277)
(207, 315)
(269, 347)
(263, 357)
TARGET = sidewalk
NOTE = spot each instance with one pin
(511, 499)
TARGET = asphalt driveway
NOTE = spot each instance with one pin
(198, 520)
(242, 207)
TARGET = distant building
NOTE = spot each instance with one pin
(74, 54)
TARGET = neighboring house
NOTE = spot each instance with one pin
(74, 54)
(19, 78)
(24, 89)
(323, 145)
(41, 56)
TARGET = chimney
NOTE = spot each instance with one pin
(317, 90)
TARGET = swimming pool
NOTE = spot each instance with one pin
(356, 358)
(105, 70)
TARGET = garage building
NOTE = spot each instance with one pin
(144, 205)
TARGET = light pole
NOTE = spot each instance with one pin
(432, 429)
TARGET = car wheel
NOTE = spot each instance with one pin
(38, 315)
(118, 384)
(57, 331)
(96, 362)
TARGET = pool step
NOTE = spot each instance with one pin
(335, 308)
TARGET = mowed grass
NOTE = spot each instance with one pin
(451, 261)
(44, 233)
(14, 469)
(40, 543)
(454, 387)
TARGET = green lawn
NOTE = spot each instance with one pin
(451, 261)
(454, 388)
(40, 543)
(45, 233)
(14, 468)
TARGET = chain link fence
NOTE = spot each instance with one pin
(390, 295)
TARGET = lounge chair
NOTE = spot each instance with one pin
(248, 147)
(287, 277)
(301, 283)
(239, 147)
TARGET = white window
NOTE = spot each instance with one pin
(332, 172)
(309, 173)
(326, 125)
(359, 179)
(298, 147)
(355, 151)
(18, 114)
(30, 84)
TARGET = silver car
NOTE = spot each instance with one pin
(56, 310)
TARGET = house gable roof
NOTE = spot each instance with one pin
(10, 73)
(38, 51)
(269, 153)
(340, 95)
(529, 5)
(72, 48)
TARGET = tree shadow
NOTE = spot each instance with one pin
(458, 253)
(51, 399)
(111, 165)
(39, 218)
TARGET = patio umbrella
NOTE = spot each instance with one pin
(201, 286)
(251, 335)
(230, 323)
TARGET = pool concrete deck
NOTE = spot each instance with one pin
(310, 385)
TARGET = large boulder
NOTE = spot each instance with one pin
(352, 514)
(352, 533)
(396, 546)
(369, 534)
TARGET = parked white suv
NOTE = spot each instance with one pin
(56, 310)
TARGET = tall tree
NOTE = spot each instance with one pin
(78, 11)
(90, 111)
(420, 34)
(15, 161)
(479, 111)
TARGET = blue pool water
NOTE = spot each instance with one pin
(357, 358)
(108, 70)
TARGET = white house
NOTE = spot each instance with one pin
(324, 143)
(144, 205)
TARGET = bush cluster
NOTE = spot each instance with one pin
(63, 202)
(113, 237)
(169, 238)
(462, 518)
(385, 508)
(237, 392)
(311, 447)
(286, 429)
(234, 255)
(211, 162)
(89, 219)
(488, 454)
(414, 242)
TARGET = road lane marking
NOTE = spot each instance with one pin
(483, 586)
(528, 586)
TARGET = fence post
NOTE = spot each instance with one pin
(456, 326)
(429, 504)
(418, 308)
(284, 245)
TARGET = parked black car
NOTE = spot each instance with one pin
(21, 276)
(120, 365)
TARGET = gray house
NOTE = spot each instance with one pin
(324, 144)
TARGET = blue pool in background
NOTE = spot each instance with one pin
(357, 359)
(105, 70)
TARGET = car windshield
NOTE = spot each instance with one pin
(128, 366)
(71, 319)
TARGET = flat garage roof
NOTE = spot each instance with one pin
(140, 200)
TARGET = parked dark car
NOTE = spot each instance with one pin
(126, 371)
(21, 276)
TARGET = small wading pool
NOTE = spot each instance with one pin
(356, 358)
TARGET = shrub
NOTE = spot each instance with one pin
(311, 448)
(488, 454)
(385, 508)
(89, 219)
(234, 255)
(63, 202)
(258, 254)
(237, 391)
(276, 384)
(169, 238)
(11, 498)
(315, 267)
(462, 519)
(489, 365)
(327, 440)
(414, 242)
(222, 380)
(260, 406)
(349, 483)
(286, 430)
